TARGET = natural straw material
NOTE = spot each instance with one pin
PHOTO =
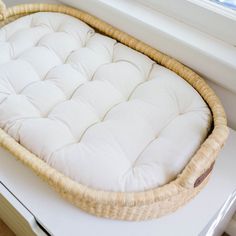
(3, 9)
(133, 205)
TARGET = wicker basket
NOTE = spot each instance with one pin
(148, 204)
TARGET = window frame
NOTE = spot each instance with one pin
(215, 19)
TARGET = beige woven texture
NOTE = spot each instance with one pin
(144, 205)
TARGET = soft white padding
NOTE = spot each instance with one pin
(97, 111)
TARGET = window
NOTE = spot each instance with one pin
(226, 3)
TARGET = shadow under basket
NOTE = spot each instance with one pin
(136, 206)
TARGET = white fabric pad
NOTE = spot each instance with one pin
(97, 111)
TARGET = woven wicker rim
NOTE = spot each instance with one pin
(76, 192)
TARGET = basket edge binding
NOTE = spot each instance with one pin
(3, 10)
(133, 205)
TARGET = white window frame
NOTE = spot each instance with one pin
(207, 16)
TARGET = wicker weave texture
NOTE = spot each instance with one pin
(133, 205)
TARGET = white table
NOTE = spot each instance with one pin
(61, 218)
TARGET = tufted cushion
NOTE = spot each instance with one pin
(95, 110)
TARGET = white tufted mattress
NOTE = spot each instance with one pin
(93, 109)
